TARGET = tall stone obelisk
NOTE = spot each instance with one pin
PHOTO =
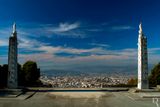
(12, 59)
(142, 60)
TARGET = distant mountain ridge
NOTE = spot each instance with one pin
(58, 72)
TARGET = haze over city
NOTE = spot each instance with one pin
(86, 36)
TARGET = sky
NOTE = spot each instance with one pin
(81, 35)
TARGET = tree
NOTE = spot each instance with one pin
(31, 72)
(0, 76)
(28, 75)
(21, 76)
(3, 75)
(132, 82)
(154, 78)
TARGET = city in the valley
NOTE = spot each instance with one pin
(84, 81)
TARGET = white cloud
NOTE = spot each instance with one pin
(4, 36)
(119, 28)
(100, 45)
(93, 52)
(153, 50)
(65, 27)
(3, 43)
(53, 50)
(49, 60)
(29, 44)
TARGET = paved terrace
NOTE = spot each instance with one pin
(109, 97)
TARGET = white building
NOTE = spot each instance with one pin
(142, 60)
(12, 59)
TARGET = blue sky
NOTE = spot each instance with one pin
(81, 35)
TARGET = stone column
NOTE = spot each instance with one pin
(12, 60)
(142, 61)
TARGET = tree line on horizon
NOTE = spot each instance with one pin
(28, 75)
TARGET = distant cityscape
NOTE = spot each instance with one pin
(82, 81)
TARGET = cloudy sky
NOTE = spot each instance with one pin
(81, 35)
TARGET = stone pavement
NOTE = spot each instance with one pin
(82, 99)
